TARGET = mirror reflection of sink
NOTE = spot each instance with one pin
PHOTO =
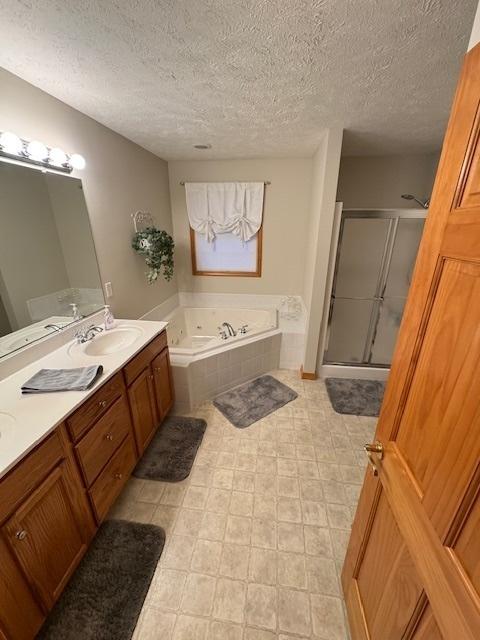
(109, 342)
(7, 424)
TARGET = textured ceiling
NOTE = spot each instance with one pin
(250, 77)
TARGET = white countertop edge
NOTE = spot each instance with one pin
(46, 411)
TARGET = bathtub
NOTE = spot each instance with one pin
(204, 365)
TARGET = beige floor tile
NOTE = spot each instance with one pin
(244, 481)
(213, 526)
(263, 566)
(288, 487)
(224, 631)
(314, 513)
(195, 497)
(190, 628)
(265, 484)
(327, 617)
(173, 495)
(294, 612)
(206, 458)
(305, 452)
(241, 503)
(267, 448)
(339, 516)
(234, 561)
(206, 556)
(179, 552)
(245, 462)
(264, 534)
(287, 467)
(318, 541)
(167, 589)
(229, 603)
(188, 522)
(154, 624)
(258, 634)
(261, 609)
(292, 570)
(164, 516)
(218, 500)
(311, 490)
(334, 492)
(151, 491)
(201, 476)
(238, 530)
(223, 479)
(290, 537)
(266, 464)
(308, 469)
(264, 507)
(322, 576)
(226, 460)
(198, 594)
(289, 510)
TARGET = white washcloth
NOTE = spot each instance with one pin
(225, 207)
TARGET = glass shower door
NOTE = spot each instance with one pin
(375, 258)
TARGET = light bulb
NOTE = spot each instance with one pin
(57, 157)
(77, 161)
(10, 143)
(37, 150)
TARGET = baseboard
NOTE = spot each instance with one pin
(345, 371)
(305, 375)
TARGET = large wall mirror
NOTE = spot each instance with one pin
(48, 267)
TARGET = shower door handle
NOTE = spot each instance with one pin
(371, 449)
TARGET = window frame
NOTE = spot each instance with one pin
(234, 274)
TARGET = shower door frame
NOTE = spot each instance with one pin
(394, 216)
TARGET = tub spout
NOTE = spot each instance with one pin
(230, 329)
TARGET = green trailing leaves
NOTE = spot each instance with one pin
(157, 247)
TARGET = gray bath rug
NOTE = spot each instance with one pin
(105, 595)
(355, 397)
(170, 455)
(253, 400)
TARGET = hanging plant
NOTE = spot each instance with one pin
(157, 247)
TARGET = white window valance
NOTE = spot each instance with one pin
(225, 207)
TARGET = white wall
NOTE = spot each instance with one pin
(322, 209)
(120, 178)
(475, 35)
(286, 213)
(379, 181)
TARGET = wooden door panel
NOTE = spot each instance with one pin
(468, 190)
(46, 538)
(163, 382)
(466, 547)
(387, 584)
(144, 411)
(427, 629)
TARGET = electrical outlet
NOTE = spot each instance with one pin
(108, 289)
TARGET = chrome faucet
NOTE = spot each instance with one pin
(88, 334)
(243, 329)
(223, 333)
(230, 329)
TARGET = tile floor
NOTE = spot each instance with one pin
(256, 535)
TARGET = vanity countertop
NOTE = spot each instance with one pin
(25, 420)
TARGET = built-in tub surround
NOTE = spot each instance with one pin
(204, 364)
(25, 420)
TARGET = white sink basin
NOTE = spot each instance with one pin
(7, 424)
(106, 343)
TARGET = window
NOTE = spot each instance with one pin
(227, 255)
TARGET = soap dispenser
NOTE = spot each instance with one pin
(75, 312)
(108, 318)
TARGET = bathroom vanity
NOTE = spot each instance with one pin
(64, 459)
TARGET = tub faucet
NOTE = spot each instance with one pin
(223, 333)
(230, 329)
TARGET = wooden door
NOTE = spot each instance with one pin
(163, 383)
(46, 537)
(412, 568)
(144, 412)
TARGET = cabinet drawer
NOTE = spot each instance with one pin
(102, 440)
(94, 407)
(29, 473)
(142, 360)
(111, 480)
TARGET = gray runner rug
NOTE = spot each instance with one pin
(253, 400)
(170, 455)
(105, 595)
(355, 397)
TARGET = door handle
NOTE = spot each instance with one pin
(371, 449)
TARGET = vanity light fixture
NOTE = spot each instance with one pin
(35, 152)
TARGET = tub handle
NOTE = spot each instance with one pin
(223, 333)
(243, 328)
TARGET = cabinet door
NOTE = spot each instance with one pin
(162, 379)
(144, 412)
(46, 536)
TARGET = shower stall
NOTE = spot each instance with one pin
(374, 262)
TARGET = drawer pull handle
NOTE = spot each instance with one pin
(21, 535)
(157, 369)
(118, 476)
(109, 436)
(150, 377)
(102, 404)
